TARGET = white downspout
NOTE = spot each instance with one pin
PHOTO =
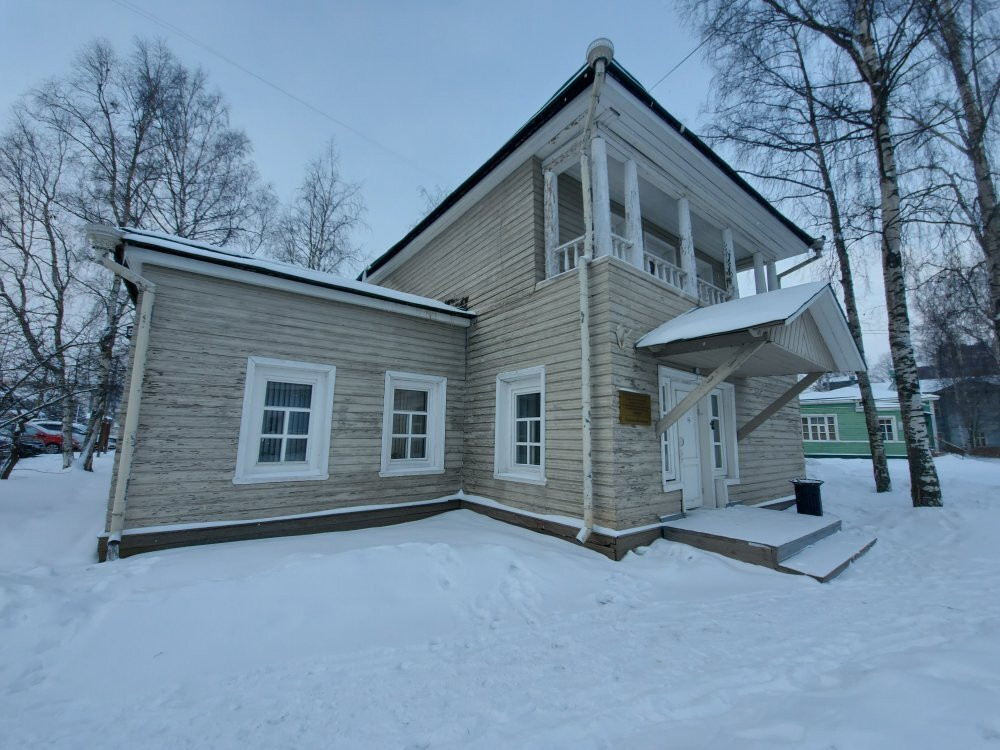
(126, 445)
(599, 54)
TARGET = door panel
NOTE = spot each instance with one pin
(689, 452)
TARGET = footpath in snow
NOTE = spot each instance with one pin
(459, 631)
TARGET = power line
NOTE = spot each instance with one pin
(294, 97)
(683, 60)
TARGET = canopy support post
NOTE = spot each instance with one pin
(775, 405)
(719, 374)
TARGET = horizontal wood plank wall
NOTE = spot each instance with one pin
(203, 331)
(639, 303)
(768, 459)
(494, 254)
(772, 455)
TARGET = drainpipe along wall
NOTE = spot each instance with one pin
(599, 54)
(126, 445)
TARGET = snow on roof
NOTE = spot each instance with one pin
(773, 308)
(882, 392)
(200, 251)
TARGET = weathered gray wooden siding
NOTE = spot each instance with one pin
(768, 459)
(494, 254)
(203, 331)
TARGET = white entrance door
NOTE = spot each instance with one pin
(689, 454)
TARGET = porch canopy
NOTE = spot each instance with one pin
(798, 330)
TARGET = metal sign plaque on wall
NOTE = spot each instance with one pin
(634, 408)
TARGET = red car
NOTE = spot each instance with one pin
(52, 439)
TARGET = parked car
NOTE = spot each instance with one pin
(27, 446)
(52, 439)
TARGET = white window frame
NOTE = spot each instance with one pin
(260, 370)
(436, 388)
(669, 379)
(891, 419)
(509, 386)
(826, 426)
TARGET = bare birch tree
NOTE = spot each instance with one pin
(966, 36)
(787, 120)
(879, 42)
(317, 230)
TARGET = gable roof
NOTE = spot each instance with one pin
(885, 395)
(569, 91)
(181, 247)
(805, 328)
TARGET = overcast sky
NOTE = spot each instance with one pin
(414, 94)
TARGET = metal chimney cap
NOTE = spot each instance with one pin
(599, 49)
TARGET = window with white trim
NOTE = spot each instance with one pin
(413, 424)
(715, 433)
(887, 426)
(819, 428)
(286, 422)
(520, 426)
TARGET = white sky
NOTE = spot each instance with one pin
(436, 87)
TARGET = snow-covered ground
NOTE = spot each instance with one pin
(460, 631)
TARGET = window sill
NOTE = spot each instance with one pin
(274, 478)
(407, 472)
(522, 478)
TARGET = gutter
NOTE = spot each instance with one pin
(599, 55)
(106, 241)
(817, 249)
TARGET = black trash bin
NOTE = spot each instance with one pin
(807, 496)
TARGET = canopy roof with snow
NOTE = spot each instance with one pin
(803, 326)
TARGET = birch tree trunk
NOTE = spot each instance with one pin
(925, 489)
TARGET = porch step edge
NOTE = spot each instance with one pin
(829, 557)
(787, 550)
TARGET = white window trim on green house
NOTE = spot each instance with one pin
(820, 424)
(260, 372)
(433, 429)
(890, 435)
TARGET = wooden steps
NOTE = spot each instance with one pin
(785, 541)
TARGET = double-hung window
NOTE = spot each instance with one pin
(887, 426)
(413, 425)
(520, 426)
(285, 428)
(822, 428)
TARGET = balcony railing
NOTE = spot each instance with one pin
(567, 256)
(710, 294)
(664, 270)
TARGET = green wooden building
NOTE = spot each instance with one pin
(833, 422)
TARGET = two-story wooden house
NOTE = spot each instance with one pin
(560, 344)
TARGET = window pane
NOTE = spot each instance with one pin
(536, 431)
(288, 394)
(398, 448)
(529, 405)
(418, 425)
(715, 405)
(270, 450)
(536, 455)
(718, 457)
(418, 447)
(295, 450)
(522, 432)
(521, 454)
(298, 423)
(274, 422)
(407, 400)
(399, 424)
